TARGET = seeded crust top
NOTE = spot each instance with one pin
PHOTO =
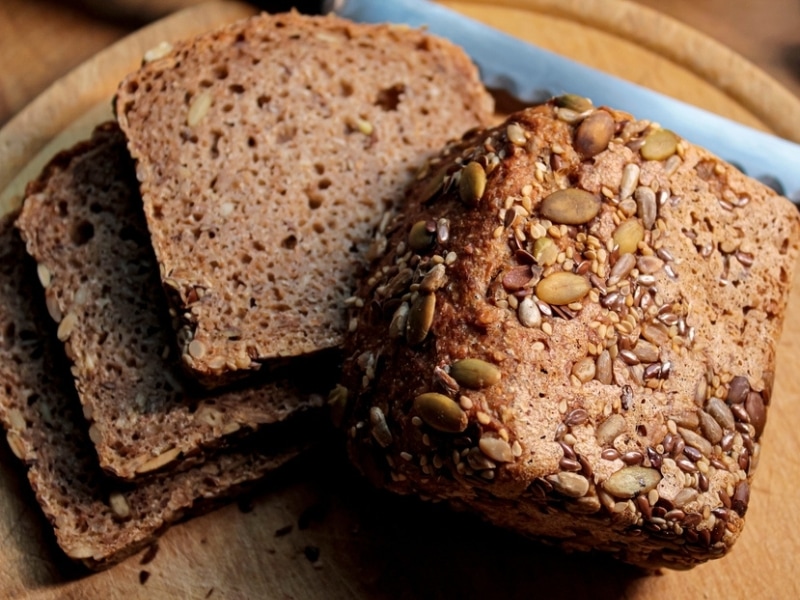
(266, 152)
(96, 520)
(82, 221)
(573, 333)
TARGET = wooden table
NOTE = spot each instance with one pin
(371, 545)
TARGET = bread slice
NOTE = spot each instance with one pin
(97, 520)
(267, 151)
(82, 221)
(587, 356)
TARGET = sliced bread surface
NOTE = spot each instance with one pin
(82, 221)
(267, 151)
(96, 519)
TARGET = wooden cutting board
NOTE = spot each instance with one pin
(319, 531)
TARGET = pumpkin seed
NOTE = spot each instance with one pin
(545, 251)
(630, 481)
(562, 287)
(420, 318)
(594, 134)
(472, 184)
(496, 448)
(440, 412)
(628, 235)
(659, 145)
(570, 206)
(573, 102)
(421, 238)
(475, 373)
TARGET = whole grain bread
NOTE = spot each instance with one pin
(266, 151)
(573, 334)
(82, 221)
(97, 520)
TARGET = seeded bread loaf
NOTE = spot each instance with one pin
(266, 150)
(83, 223)
(96, 520)
(573, 334)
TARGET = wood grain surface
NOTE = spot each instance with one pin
(318, 531)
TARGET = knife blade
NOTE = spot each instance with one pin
(532, 74)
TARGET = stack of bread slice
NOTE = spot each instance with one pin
(196, 259)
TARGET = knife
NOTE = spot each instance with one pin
(531, 75)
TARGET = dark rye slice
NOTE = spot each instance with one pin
(97, 520)
(267, 151)
(82, 221)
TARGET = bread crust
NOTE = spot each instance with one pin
(621, 341)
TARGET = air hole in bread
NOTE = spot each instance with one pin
(82, 233)
(315, 200)
(221, 72)
(389, 98)
(346, 89)
(263, 100)
(216, 135)
(289, 242)
(236, 88)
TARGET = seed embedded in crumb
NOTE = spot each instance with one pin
(629, 481)
(472, 184)
(594, 134)
(475, 373)
(570, 206)
(496, 449)
(562, 288)
(569, 484)
(420, 319)
(628, 235)
(440, 412)
(659, 145)
(199, 108)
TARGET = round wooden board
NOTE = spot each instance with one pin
(371, 545)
